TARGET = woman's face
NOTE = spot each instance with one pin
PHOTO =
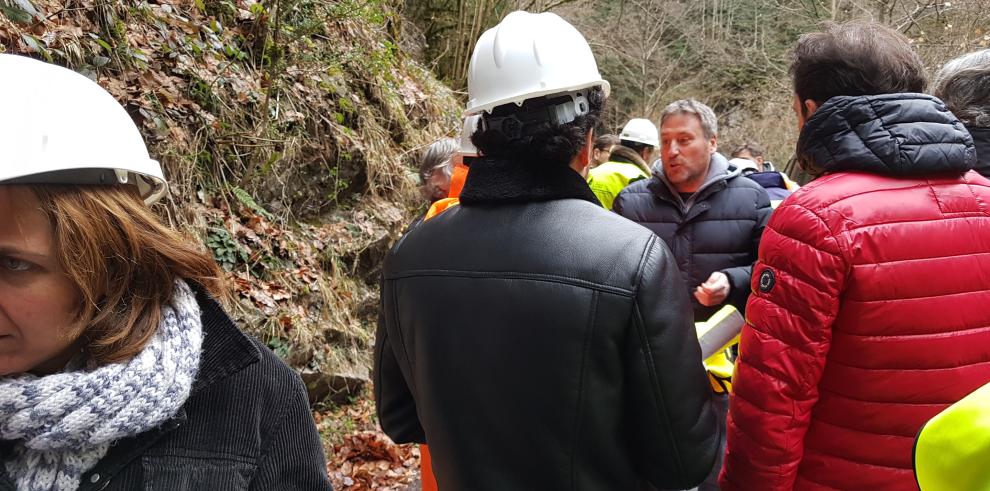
(38, 301)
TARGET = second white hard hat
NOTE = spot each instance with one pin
(527, 56)
(641, 130)
(59, 127)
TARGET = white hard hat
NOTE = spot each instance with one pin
(741, 163)
(59, 127)
(641, 130)
(527, 56)
(470, 126)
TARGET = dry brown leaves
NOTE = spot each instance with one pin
(372, 461)
(364, 458)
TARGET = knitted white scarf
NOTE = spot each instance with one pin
(64, 423)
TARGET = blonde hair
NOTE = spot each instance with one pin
(124, 262)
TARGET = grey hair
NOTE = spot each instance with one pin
(709, 123)
(964, 85)
(438, 156)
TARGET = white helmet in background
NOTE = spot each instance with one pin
(641, 130)
(528, 56)
(59, 127)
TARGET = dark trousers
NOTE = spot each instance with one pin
(721, 404)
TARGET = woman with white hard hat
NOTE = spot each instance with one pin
(118, 369)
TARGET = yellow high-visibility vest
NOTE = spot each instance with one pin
(952, 450)
(608, 179)
(716, 336)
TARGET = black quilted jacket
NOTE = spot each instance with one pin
(718, 229)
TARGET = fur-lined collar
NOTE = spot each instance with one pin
(504, 181)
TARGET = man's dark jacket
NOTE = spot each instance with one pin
(717, 229)
(981, 139)
(245, 426)
(537, 341)
(773, 182)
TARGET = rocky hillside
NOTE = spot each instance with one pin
(287, 130)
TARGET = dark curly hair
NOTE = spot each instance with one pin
(542, 143)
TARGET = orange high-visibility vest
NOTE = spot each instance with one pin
(426, 477)
(457, 179)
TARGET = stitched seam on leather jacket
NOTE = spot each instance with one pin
(511, 275)
(642, 260)
(644, 340)
(402, 342)
(657, 395)
(578, 413)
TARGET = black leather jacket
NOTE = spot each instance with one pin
(537, 341)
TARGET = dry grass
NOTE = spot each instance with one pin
(311, 113)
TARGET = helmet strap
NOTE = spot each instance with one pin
(513, 125)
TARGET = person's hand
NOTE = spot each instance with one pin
(713, 291)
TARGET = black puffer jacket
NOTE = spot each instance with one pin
(718, 229)
(883, 134)
(536, 341)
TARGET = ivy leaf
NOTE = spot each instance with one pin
(34, 44)
(15, 14)
(105, 45)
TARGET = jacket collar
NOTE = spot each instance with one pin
(226, 350)
(504, 181)
(981, 138)
(892, 134)
(629, 156)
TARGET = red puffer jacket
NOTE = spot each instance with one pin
(870, 310)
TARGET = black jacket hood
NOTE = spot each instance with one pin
(892, 134)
